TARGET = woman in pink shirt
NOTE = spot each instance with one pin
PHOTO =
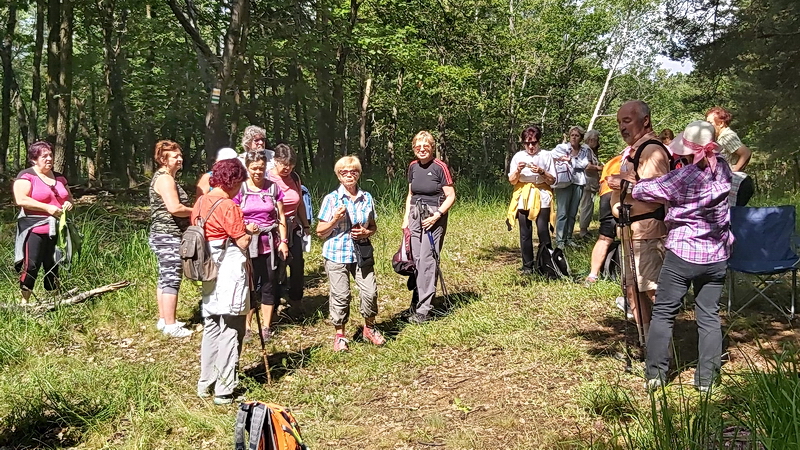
(261, 202)
(43, 195)
(296, 219)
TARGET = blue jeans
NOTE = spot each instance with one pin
(676, 277)
(567, 201)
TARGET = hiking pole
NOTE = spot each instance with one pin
(627, 350)
(625, 212)
(263, 345)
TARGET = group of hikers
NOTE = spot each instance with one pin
(255, 216)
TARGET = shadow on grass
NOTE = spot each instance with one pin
(309, 311)
(282, 364)
(441, 307)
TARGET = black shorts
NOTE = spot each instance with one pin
(608, 224)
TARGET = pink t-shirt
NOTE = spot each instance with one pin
(260, 209)
(43, 192)
(291, 192)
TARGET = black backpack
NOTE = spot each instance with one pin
(403, 260)
(661, 212)
(551, 262)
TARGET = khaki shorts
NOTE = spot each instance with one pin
(649, 257)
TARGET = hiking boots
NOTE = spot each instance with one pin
(340, 343)
(621, 305)
(654, 384)
(248, 336)
(372, 334)
(417, 319)
(266, 334)
(176, 330)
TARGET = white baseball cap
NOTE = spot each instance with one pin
(226, 153)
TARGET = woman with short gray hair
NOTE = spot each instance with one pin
(593, 170)
(571, 156)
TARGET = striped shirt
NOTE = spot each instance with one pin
(338, 247)
(697, 221)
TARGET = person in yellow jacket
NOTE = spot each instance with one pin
(531, 172)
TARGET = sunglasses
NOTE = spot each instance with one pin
(526, 143)
(346, 172)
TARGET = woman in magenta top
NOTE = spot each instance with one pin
(262, 204)
(43, 195)
(286, 178)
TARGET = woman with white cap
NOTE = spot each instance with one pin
(203, 186)
(698, 245)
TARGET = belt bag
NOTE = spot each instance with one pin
(365, 253)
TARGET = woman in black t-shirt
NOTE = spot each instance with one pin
(430, 196)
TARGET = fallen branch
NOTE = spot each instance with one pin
(49, 306)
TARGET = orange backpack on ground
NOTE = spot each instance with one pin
(268, 427)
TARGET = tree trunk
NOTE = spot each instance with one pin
(603, 92)
(8, 80)
(36, 75)
(53, 61)
(64, 102)
(215, 136)
(391, 164)
(362, 122)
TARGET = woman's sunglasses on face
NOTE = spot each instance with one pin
(346, 172)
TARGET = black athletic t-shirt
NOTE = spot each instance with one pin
(427, 181)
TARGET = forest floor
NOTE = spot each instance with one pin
(515, 362)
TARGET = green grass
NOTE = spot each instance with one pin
(517, 363)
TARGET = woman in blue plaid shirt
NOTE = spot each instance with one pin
(347, 215)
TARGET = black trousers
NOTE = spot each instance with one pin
(526, 234)
(265, 283)
(39, 253)
(293, 283)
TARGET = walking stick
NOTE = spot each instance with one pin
(263, 345)
(625, 224)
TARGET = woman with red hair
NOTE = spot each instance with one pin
(225, 299)
(169, 218)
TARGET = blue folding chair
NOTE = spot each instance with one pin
(764, 248)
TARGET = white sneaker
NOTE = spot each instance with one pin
(176, 330)
(621, 305)
(653, 384)
(161, 324)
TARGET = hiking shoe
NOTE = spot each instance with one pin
(654, 384)
(203, 393)
(266, 334)
(248, 336)
(161, 324)
(373, 335)
(525, 271)
(340, 343)
(223, 399)
(621, 305)
(703, 389)
(176, 330)
(418, 319)
(572, 244)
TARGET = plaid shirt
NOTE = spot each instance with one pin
(697, 217)
(338, 247)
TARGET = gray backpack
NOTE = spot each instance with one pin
(198, 265)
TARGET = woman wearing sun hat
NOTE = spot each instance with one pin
(698, 245)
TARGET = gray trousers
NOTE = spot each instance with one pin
(567, 200)
(676, 277)
(586, 209)
(219, 353)
(422, 300)
(339, 296)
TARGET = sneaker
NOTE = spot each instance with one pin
(248, 336)
(176, 330)
(223, 399)
(266, 334)
(418, 319)
(572, 244)
(703, 389)
(373, 335)
(340, 343)
(525, 271)
(654, 384)
(621, 305)
(161, 324)
(203, 393)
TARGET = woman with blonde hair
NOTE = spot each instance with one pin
(346, 222)
(430, 196)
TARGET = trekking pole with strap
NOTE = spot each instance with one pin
(625, 219)
(264, 354)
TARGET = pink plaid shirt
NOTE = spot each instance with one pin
(698, 221)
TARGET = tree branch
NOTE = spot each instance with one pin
(190, 29)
